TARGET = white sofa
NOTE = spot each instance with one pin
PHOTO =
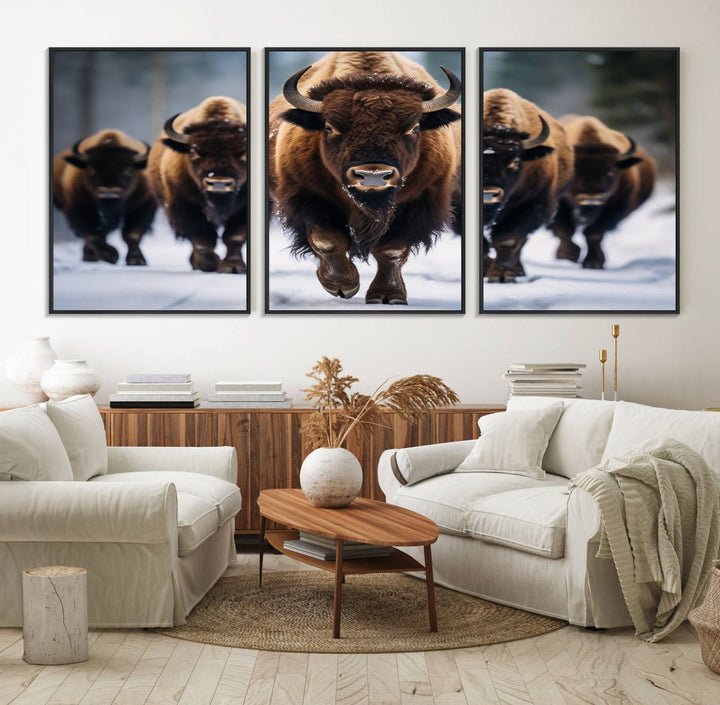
(528, 542)
(154, 527)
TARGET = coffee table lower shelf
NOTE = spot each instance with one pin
(396, 562)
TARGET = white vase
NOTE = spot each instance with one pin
(331, 477)
(26, 365)
(66, 378)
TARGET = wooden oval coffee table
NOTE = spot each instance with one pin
(366, 521)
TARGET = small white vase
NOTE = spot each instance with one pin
(26, 365)
(66, 378)
(331, 477)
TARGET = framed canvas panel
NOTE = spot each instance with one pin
(580, 180)
(365, 182)
(149, 162)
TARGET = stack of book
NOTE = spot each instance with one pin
(247, 395)
(323, 548)
(155, 391)
(546, 379)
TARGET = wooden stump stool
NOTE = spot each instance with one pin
(55, 626)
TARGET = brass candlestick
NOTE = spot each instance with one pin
(603, 360)
(615, 330)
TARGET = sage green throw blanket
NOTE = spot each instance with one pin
(660, 524)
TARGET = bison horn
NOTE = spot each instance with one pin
(633, 147)
(537, 141)
(172, 134)
(76, 152)
(297, 99)
(141, 157)
(446, 99)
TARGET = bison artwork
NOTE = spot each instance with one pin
(365, 159)
(527, 163)
(198, 171)
(613, 177)
(99, 184)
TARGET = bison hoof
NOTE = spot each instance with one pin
(205, 261)
(135, 259)
(232, 266)
(96, 253)
(346, 292)
(503, 275)
(390, 299)
(593, 264)
(569, 251)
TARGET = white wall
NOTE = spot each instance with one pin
(666, 360)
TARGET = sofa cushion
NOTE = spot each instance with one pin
(580, 437)
(223, 495)
(532, 520)
(513, 442)
(446, 499)
(30, 447)
(634, 424)
(421, 462)
(197, 521)
(80, 426)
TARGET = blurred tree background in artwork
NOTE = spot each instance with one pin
(630, 90)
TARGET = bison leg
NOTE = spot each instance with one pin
(337, 274)
(96, 249)
(234, 237)
(388, 286)
(486, 260)
(137, 223)
(189, 223)
(563, 227)
(506, 266)
(595, 258)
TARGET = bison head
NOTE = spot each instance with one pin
(216, 152)
(504, 151)
(371, 128)
(597, 167)
(111, 172)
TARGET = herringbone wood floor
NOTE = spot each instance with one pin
(569, 666)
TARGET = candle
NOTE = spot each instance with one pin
(615, 331)
(603, 360)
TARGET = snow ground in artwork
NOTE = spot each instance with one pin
(639, 272)
(433, 280)
(166, 284)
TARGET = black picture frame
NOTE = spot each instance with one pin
(178, 78)
(526, 71)
(305, 56)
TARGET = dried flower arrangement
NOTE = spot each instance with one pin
(338, 410)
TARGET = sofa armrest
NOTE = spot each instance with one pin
(88, 512)
(583, 519)
(219, 462)
(406, 466)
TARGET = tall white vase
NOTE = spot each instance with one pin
(25, 366)
(66, 378)
(331, 477)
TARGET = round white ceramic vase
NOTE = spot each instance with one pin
(331, 477)
(66, 378)
(26, 365)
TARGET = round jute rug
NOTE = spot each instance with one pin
(380, 613)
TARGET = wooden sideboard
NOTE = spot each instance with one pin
(270, 443)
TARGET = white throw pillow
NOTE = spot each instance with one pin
(579, 439)
(634, 424)
(513, 442)
(80, 426)
(30, 447)
(421, 462)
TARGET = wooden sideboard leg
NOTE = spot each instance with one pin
(337, 597)
(261, 549)
(429, 580)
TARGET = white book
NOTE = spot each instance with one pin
(535, 376)
(325, 540)
(130, 387)
(152, 396)
(161, 377)
(328, 554)
(546, 366)
(248, 396)
(246, 404)
(248, 386)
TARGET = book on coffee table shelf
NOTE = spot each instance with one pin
(323, 548)
(158, 378)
